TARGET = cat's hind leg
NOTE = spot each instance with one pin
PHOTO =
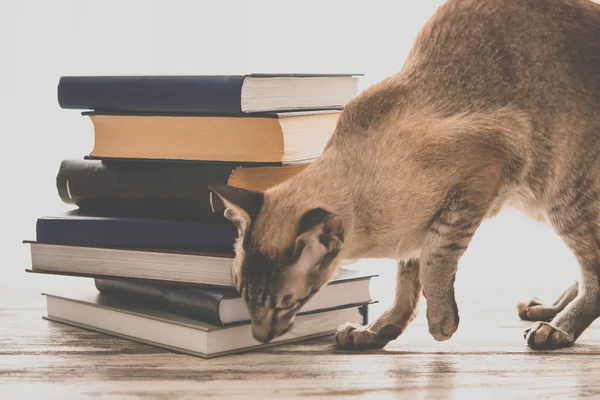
(392, 322)
(571, 322)
(536, 310)
(575, 214)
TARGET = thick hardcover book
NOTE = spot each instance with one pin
(208, 94)
(138, 322)
(256, 138)
(224, 306)
(75, 229)
(133, 188)
(203, 268)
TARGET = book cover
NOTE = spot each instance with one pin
(141, 188)
(137, 322)
(203, 267)
(208, 94)
(224, 306)
(273, 138)
(77, 229)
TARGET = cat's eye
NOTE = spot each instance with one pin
(295, 304)
(286, 299)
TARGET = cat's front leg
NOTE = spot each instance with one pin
(392, 322)
(437, 277)
(448, 235)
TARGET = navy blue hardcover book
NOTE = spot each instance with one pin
(73, 229)
(207, 94)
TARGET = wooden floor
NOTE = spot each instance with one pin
(487, 358)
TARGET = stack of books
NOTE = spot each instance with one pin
(146, 227)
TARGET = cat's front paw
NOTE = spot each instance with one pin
(356, 336)
(442, 321)
(543, 336)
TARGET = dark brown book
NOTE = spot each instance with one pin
(134, 188)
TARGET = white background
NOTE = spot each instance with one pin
(42, 40)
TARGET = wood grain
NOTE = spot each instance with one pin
(487, 356)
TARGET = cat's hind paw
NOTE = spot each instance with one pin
(536, 310)
(525, 306)
(356, 336)
(543, 336)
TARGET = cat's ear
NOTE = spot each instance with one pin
(241, 205)
(320, 238)
(320, 233)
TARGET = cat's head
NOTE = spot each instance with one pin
(283, 255)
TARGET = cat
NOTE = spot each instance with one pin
(497, 104)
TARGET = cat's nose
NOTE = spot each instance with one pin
(262, 333)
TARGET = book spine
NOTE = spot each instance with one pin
(135, 233)
(192, 303)
(142, 189)
(170, 94)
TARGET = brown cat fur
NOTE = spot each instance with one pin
(496, 104)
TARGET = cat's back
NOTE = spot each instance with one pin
(481, 53)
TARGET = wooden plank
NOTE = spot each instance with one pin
(38, 356)
(40, 359)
